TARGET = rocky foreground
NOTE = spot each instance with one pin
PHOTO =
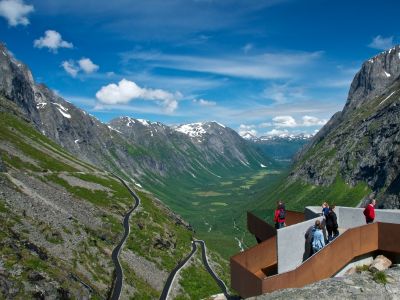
(357, 286)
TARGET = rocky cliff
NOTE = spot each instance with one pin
(361, 144)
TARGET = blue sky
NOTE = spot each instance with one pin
(264, 66)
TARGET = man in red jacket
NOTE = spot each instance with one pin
(369, 211)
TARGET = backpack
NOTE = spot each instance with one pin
(282, 214)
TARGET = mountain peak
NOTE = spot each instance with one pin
(375, 75)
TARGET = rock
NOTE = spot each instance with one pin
(356, 286)
(350, 271)
(35, 276)
(380, 263)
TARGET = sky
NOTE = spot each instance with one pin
(266, 67)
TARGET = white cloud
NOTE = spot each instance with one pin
(74, 67)
(280, 132)
(87, 65)
(15, 11)
(70, 67)
(203, 102)
(262, 66)
(381, 43)
(283, 93)
(265, 124)
(52, 40)
(126, 90)
(313, 121)
(284, 121)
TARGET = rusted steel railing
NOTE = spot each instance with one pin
(249, 279)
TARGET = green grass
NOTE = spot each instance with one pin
(196, 282)
(143, 291)
(380, 277)
(298, 195)
(154, 222)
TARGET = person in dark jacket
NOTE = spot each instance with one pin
(280, 215)
(325, 209)
(331, 224)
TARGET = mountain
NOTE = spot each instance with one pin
(357, 153)
(192, 168)
(61, 217)
(282, 148)
(133, 148)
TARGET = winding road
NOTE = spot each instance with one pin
(181, 264)
(119, 275)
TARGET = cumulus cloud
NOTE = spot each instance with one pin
(203, 102)
(52, 40)
(284, 121)
(126, 90)
(70, 67)
(381, 43)
(15, 11)
(87, 65)
(313, 121)
(280, 132)
(74, 67)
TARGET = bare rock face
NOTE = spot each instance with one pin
(376, 75)
(362, 142)
(380, 263)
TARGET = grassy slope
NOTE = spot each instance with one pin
(48, 168)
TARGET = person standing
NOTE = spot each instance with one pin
(280, 215)
(325, 209)
(369, 212)
(331, 224)
(318, 241)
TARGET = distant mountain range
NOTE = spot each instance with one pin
(134, 148)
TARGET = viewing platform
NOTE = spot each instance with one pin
(281, 258)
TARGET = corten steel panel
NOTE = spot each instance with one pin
(326, 263)
(261, 229)
(389, 235)
(258, 257)
(294, 217)
(339, 253)
(243, 281)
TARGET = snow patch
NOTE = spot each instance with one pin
(65, 115)
(130, 122)
(194, 176)
(109, 127)
(387, 97)
(138, 184)
(41, 105)
(387, 74)
(262, 166)
(192, 130)
(223, 126)
(240, 244)
(60, 106)
(143, 122)
(76, 141)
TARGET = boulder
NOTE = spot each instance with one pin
(380, 263)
